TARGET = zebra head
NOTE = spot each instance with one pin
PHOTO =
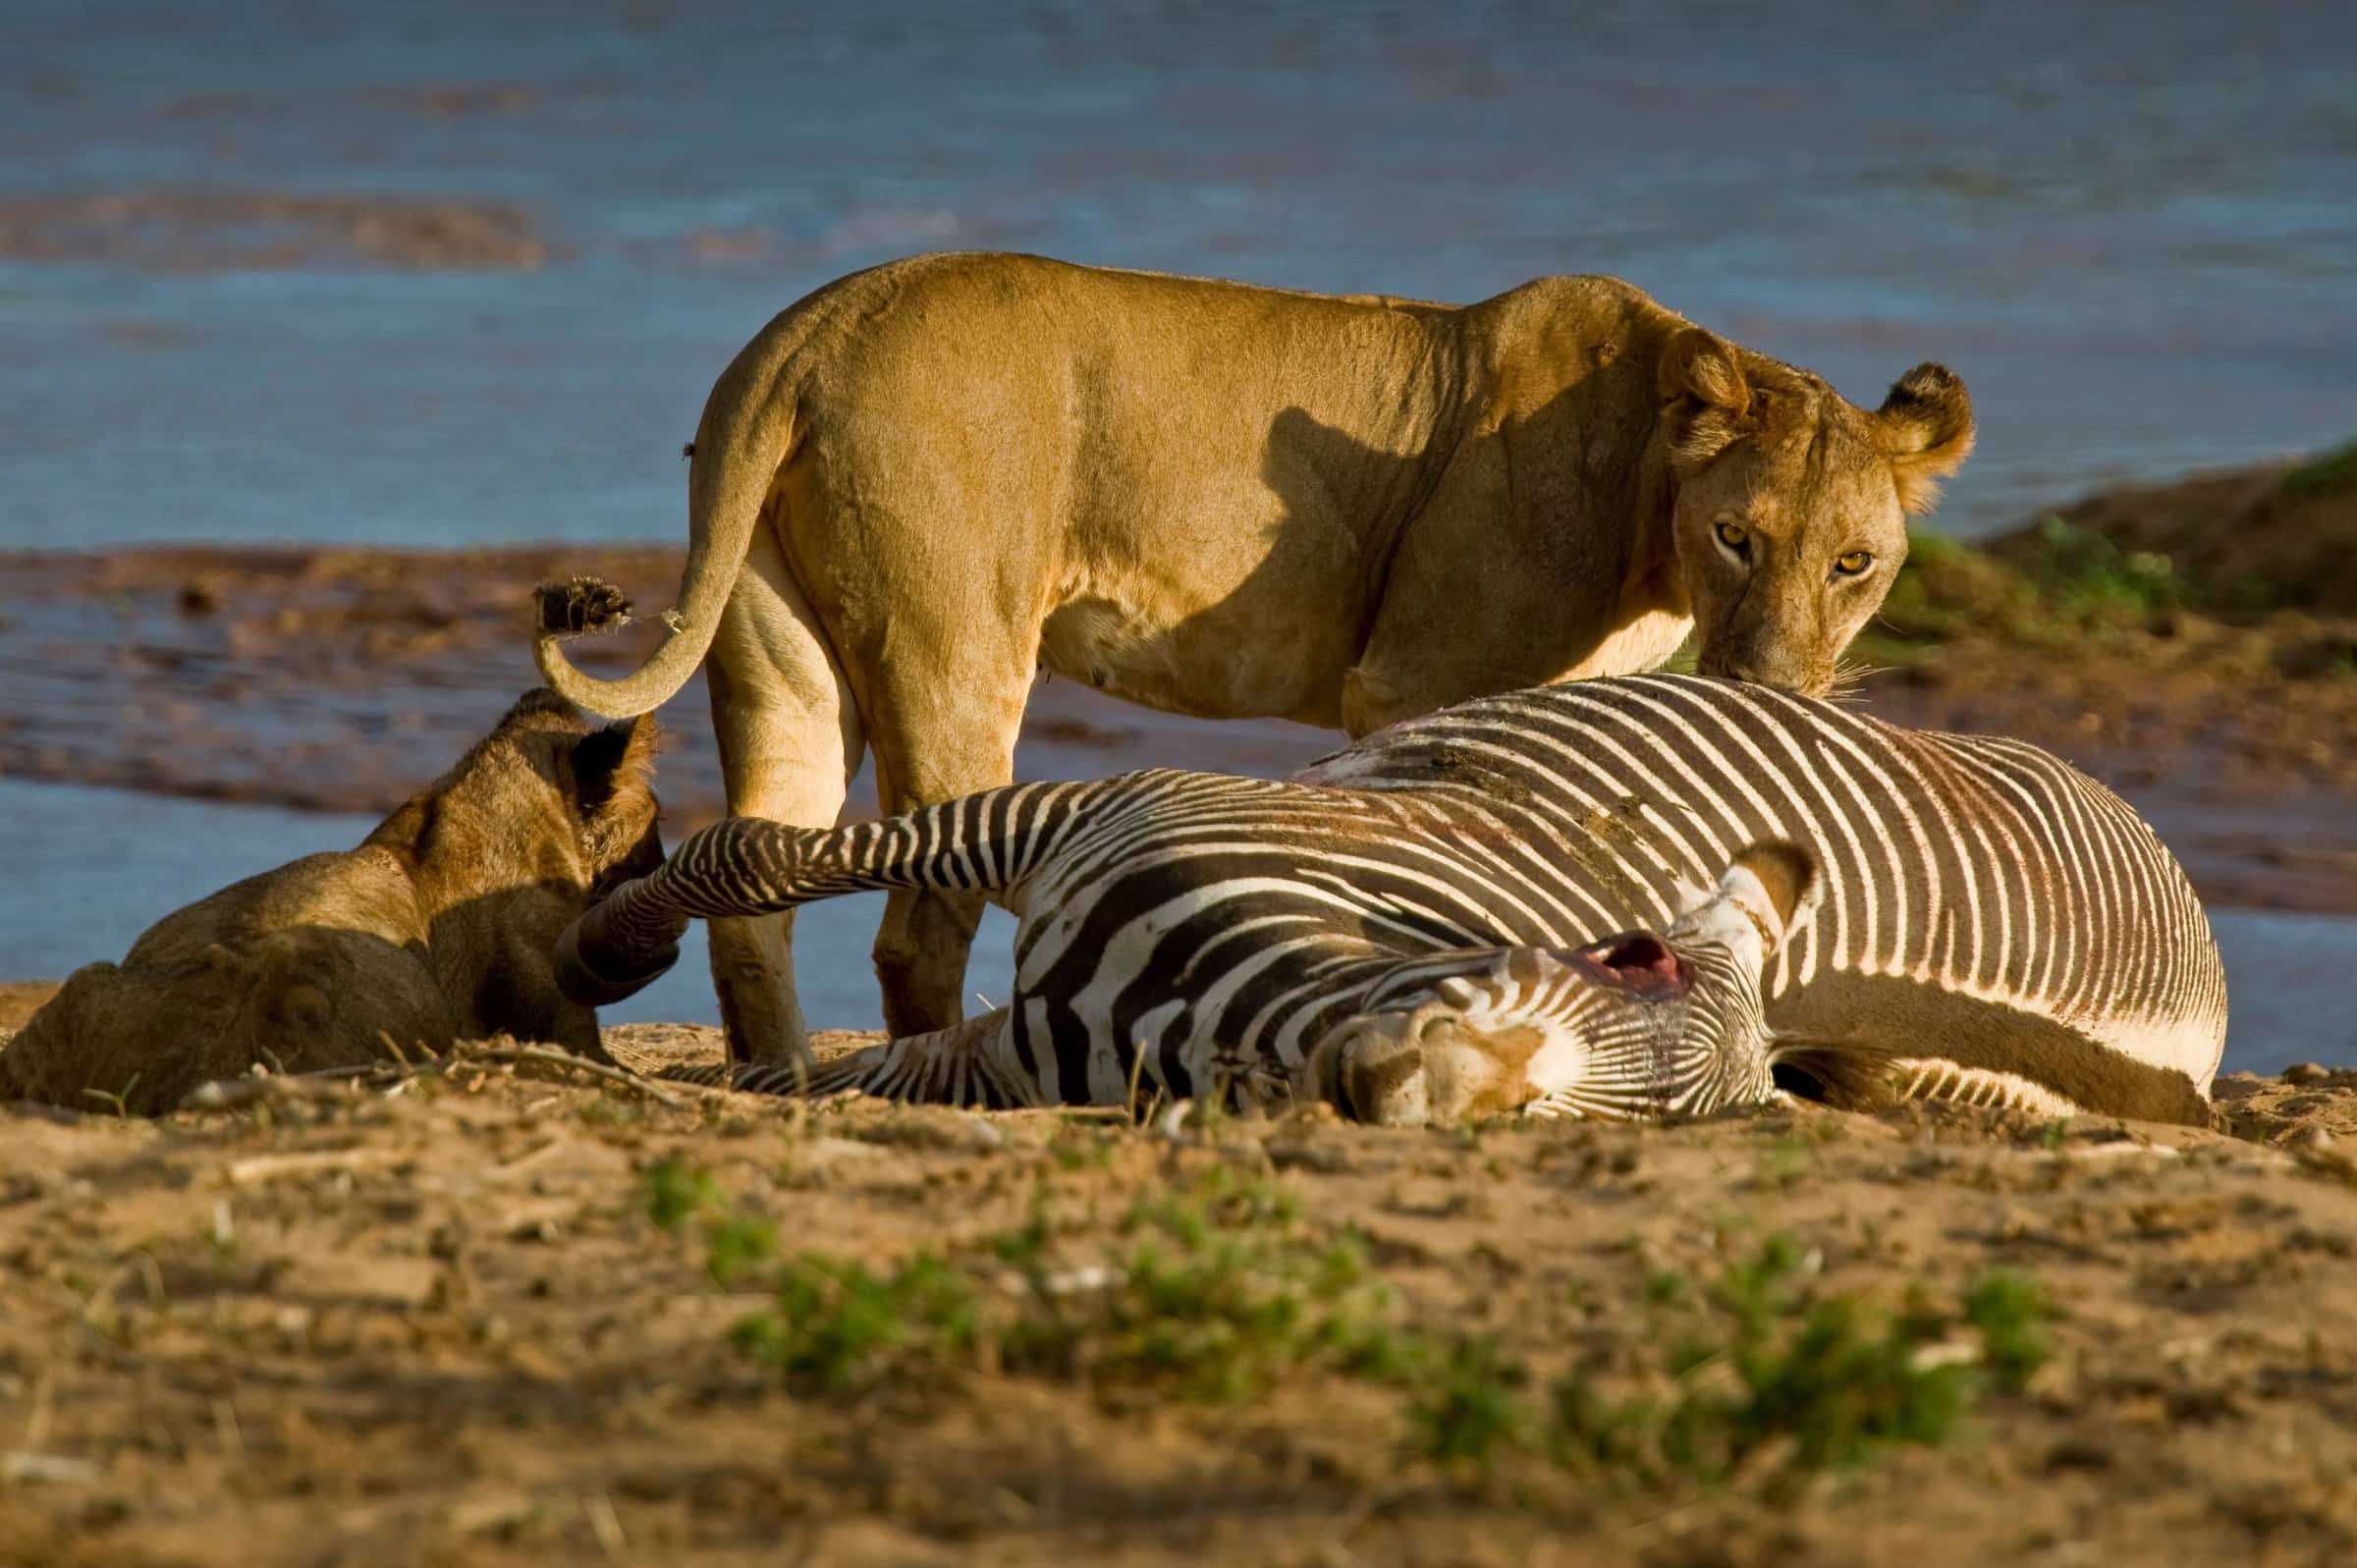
(1639, 1025)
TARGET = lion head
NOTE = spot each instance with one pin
(1791, 500)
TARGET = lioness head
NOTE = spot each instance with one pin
(1791, 503)
(548, 792)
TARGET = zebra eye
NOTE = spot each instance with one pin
(1735, 537)
(1852, 563)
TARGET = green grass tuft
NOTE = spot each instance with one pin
(837, 1327)
(1467, 1404)
(2009, 1312)
(2067, 586)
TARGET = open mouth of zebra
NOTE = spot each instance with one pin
(1638, 961)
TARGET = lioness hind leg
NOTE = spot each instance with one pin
(790, 741)
(939, 733)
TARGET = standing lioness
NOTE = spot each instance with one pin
(924, 482)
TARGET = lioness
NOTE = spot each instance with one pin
(925, 482)
(437, 928)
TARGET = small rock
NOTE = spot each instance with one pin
(2079, 1453)
(2236, 1085)
(1325, 1158)
(2306, 1072)
(23, 1465)
(979, 1134)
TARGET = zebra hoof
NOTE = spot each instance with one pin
(595, 987)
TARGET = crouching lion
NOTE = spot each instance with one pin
(925, 482)
(436, 929)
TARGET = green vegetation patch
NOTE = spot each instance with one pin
(2333, 474)
(1764, 1388)
(2067, 584)
(1222, 1291)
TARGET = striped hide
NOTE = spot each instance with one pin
(1996, 927)
(1988, 924)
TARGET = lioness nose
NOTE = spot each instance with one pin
(1767, 669)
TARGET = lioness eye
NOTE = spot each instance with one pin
(1733, 536)
(1857, 560)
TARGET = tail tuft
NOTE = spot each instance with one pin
(580, 604)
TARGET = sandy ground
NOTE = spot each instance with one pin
(440, 1326)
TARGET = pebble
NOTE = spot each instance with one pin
(2306, 1072)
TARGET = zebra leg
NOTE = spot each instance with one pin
(790, 741)
(971, 1064)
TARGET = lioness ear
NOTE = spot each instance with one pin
(1926, 428)
(1704, 396)
(613, 782)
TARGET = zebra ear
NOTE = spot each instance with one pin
(1775, 882)
(1770, 887)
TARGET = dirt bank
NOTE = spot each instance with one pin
(2274, 535)
(327, 679)
(447, 1327)
(20, 999)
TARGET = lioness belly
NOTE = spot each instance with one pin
(1215, 663)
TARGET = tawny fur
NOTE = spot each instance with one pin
(437, 928)
(925, 482)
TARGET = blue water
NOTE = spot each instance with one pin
(2129, 227)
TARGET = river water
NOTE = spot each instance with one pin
(2129, 228)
